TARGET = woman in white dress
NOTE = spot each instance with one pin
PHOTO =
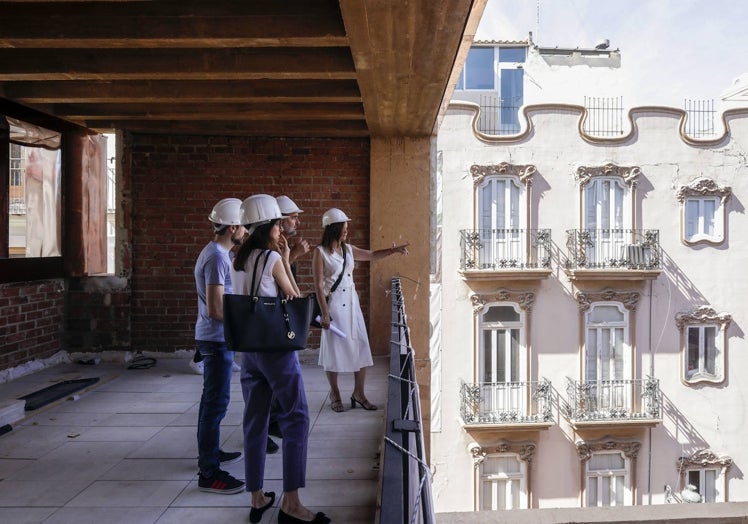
(332, 266)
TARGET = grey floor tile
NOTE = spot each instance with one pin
(126, 451)
(170, 442)
(76, 461)
(89, 515)
(25, 515)
(152, 469)
(139, 419)
(214, 515)
(39, 493)
(8, 467)
(124, 493)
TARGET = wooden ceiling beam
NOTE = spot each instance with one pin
(208, 111)
(160, 91)
(171, 23)
(21, 31)
(300, 128)
(177, 64)
(170, 8)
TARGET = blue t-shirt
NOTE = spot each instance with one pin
(213, 267)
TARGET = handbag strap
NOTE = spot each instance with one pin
(340, 276)
(256, 290)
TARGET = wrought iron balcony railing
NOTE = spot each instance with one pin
(613, 249)
(506, 403)
(501, 249)
(614, 400)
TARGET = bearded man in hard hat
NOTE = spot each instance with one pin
(291, 222)
(212, 280)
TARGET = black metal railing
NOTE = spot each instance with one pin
(499, 115)
(610, 400)
(499, 249)
(613, 249)
(604, 116)
(506, 403)
(700, 121)
(405, 479)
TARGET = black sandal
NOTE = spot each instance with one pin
(365, 404)
(336, 405)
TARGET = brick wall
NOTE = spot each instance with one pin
(97, 313)
(31, 320)
(177, 180)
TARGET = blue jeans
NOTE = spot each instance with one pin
(217, 368)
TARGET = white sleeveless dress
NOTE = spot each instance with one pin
(353, 352)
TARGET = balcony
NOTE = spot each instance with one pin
(614, 403)
(506, 405)
(505, 254)
(613, 254)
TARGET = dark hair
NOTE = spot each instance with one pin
(259, 239)
(219, 229)
(331, 233)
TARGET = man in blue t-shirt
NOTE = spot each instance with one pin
(212, 280)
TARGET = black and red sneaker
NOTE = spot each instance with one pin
(221, 482)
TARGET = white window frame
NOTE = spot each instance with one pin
(703, 461)
(700, 372)
(701, 219)
(463, 73)
(701, 319)
(508, 327)
(611, 204)
(717, 494)
(601, 475)
(617, 213)
(502, 481)
(511, 243)
(699, 192)
(607, 327)
(510, 395)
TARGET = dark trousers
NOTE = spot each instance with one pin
(217, 362)
(264, 377)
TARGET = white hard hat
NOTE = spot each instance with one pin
(287, 206)
(259, 209)
(333, 216)
(227, 212)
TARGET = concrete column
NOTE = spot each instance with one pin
(400, 212)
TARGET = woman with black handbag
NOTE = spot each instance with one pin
(271, 374)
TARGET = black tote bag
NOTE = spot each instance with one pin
(265, 324)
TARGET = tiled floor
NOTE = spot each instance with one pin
(125, 451)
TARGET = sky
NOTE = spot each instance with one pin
(670, 49)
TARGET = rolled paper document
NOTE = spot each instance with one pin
(332, 328)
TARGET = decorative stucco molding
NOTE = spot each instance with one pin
(703, 315)
(704, 187)
(629, 299)
(524, 450)
(704, 458)
(524, 173)
(630, 175)
(525, 299)
(633, 115)
(630, 448)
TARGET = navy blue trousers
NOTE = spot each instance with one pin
(266, 376)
